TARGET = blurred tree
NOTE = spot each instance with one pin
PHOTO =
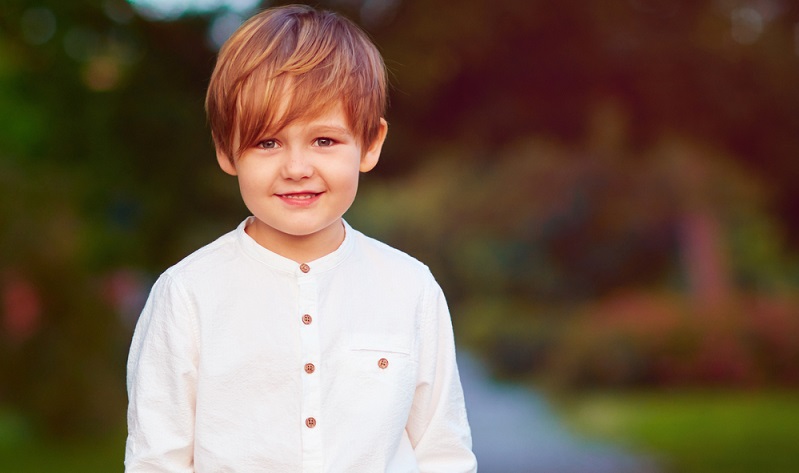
(484, 73)
(101, 121)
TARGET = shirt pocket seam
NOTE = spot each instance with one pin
(377, 344)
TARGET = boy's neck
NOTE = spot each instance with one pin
(302, 248)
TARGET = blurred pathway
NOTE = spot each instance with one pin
(514, 431)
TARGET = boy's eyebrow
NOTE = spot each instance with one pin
(330, 129)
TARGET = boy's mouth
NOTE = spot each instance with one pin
(300, 199)
(300, 195)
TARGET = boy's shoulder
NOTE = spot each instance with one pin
(387, 258)
(211, 257)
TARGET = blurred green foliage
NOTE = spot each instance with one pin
(593, 183)
(29, 454)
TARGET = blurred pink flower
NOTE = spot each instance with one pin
(126, 291)
(22, 308)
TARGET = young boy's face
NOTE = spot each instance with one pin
(299, 182)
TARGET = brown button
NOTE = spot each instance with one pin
(310, 422)
(382, 363)
(309, 368)
(307, 319)
(304, 268)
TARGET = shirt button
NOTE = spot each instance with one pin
(310, 422)
(382, 363)
(310, 368)
(307, 319)
(304, 268)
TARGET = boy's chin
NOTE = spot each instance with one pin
(298, 230)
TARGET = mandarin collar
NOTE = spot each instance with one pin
(281, 263)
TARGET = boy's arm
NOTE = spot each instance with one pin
(437, 426)
(162, 376)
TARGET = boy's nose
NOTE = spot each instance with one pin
(297, 166)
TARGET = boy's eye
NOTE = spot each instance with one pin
(267, 144)
(324, 142)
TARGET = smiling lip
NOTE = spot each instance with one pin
(300, 198)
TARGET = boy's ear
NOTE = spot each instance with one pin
(225, 163)
(372, 154)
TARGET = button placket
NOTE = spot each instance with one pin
(310, 352)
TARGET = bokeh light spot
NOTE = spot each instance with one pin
(222, 27)
(747, 25)
(165, 10)
(38, 25)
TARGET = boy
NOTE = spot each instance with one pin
(295, 343)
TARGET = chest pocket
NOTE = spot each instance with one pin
(384, 358)
(382, 367)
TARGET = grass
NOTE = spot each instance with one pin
(698, 432)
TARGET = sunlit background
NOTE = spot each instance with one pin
(605, 189)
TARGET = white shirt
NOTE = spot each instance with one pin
(245, 361)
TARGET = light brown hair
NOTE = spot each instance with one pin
(290, 63)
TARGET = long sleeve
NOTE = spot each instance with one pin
(162, 377)
(437, 426)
